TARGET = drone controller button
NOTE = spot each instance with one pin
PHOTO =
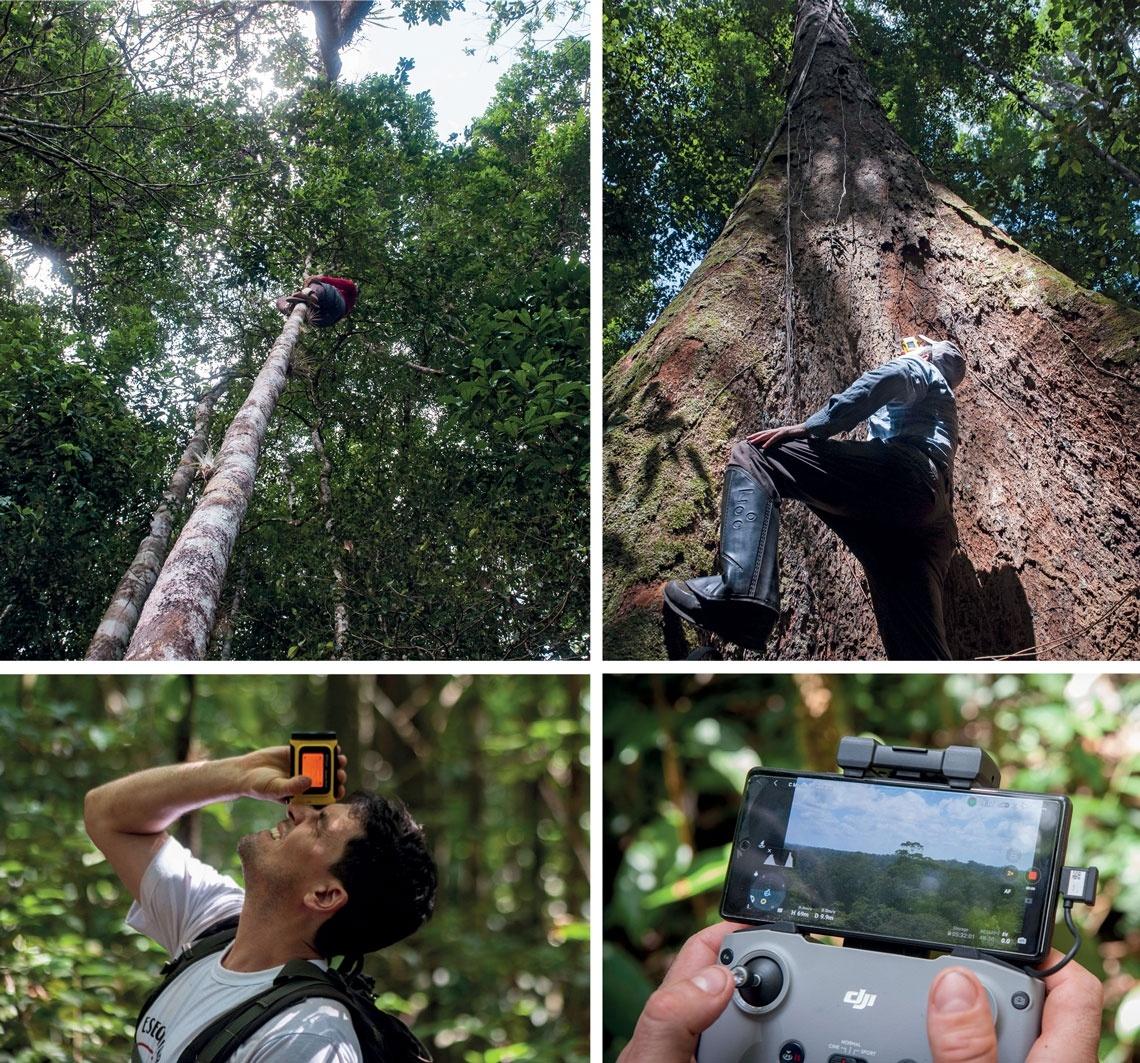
(1020, 1000)
(726, 956)
(792, 1052)
(845, 1059)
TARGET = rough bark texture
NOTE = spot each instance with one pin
(118, 624)
(1046, 476)
(179, 614)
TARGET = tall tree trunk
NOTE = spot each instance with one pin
(478, 872)
(336, 546)
(870, 250)
(118, 624)
(342, 714)
(222, 639)
(189, 828)
(337, 22)
(179, 614)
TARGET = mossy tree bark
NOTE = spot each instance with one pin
(1046, 476)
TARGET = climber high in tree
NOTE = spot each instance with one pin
(889, 498)
(329, 299)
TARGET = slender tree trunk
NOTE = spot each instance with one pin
(179, 614)
(863, 251)
(324, 495)
(118, 624)
(189, 828)
(342, 714)
(478, 874)
(222, 639)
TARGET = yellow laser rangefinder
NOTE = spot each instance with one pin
(911, 345)
(313, 753)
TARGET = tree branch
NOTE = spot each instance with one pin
(1050, 115)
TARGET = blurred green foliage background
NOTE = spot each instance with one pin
(677, 749)
(494, 766)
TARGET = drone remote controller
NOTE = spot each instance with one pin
(801, 1001)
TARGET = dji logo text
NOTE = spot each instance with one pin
(859, 999)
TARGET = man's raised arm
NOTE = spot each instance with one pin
(895, 381)
(127, 818)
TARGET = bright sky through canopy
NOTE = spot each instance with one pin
(461, 85)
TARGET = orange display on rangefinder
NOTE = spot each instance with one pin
(313, 753)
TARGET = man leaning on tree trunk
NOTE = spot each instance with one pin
(889, 498)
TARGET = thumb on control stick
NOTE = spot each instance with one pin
(675, 1016)
(959, 1023)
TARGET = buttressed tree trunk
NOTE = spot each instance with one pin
(179, 614)
(1046, 473)
(118, 624)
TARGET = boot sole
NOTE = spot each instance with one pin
(736, 615)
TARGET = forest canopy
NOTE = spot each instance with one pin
(179, 166)
(494, 767)
(1028, 110)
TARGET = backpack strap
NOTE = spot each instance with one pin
(298, 980)
(213, 939)
(381, 1036)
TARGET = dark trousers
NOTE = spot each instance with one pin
(330, 305)
(891, 505)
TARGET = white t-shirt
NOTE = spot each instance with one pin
(179, 898)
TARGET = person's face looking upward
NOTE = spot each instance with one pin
(295, 857)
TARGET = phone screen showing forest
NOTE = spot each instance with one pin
(941, 868)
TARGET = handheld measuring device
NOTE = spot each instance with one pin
(313, 753)
(914, 344)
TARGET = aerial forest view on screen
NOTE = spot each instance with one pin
(286, 370)
(901, 861)
(904, 895)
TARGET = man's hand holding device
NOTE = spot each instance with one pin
(910, 851)
(301, 772)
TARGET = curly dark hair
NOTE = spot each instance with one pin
(390, 877)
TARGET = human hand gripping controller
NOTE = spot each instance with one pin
(800, 1001)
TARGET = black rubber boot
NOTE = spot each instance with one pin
(743, 602)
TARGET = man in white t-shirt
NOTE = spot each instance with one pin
(350, 877)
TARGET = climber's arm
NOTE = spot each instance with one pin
(895, 381)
